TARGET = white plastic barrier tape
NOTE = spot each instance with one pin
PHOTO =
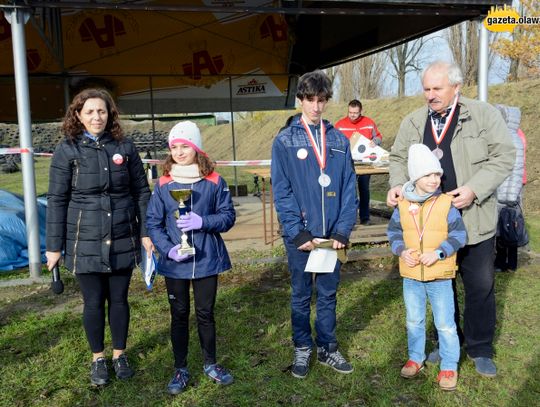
(248, 163)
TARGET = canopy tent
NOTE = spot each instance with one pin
(171, 57)
(207, 55)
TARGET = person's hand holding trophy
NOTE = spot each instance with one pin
(184, 250)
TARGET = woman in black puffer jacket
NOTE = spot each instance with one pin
(97, 199)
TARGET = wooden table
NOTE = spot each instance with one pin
(270, 236)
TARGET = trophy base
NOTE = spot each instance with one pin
(187, 250)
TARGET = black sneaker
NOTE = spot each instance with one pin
(121, 367)
(333, 358)
(300, 365)
(99, 374)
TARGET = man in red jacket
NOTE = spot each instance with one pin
(356, 124)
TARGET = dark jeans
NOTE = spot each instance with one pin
(204, 294)
(301, 292)
(97, 288)
(478, 275)
(363, 191)
(507, 257)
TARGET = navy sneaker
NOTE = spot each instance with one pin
(485, 366)
(333, 358)
(99, 375)
(179, 381)
(218, 374)
(121, 367)
(300, 365)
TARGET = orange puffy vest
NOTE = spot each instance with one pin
(436, 231)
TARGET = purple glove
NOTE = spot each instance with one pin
(190, 221)
(174, 255)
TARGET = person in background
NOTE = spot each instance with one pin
(476, 153)
(426, 231)
(211, 212)
(314, 189)
(96, 208)
(510, 192)
(355, 123)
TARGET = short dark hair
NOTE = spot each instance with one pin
(355, 103)
(314, 83)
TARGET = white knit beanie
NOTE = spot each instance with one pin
(422, 162)
(188, 133)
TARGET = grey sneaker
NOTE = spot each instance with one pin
(333, 358)
(300, 365)
(99, 375)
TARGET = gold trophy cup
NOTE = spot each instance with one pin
(181, 195)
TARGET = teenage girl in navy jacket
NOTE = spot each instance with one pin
(211, 212)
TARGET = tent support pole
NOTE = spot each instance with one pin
(152, 115)
(483, 64)
(233, 137)
(17, 19)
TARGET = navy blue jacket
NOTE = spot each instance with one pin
(305, 208)
(212, 201)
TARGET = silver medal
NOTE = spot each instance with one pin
(324, 180)
(438, 153)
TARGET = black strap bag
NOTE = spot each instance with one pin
(511, 228)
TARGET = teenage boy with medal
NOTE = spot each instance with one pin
(426, 231)
(314, 187)
(476, 154)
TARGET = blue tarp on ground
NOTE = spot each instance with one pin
(13, 241)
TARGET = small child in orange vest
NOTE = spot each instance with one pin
(426, 231)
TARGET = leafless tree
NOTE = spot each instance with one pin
(361, 78)
(406, 58)
(463, 41)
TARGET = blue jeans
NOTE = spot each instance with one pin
(301, 292)
(441, 297)
(363, 192)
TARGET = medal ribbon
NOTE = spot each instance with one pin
(439, 138)
(421, 233)
(320, 154)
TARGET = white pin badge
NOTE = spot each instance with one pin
(117, 159)
(302, 154)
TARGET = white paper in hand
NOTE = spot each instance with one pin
(148, 269)
(321, 261)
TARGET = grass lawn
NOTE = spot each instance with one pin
(45, 357)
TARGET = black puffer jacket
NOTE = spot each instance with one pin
(96, 205)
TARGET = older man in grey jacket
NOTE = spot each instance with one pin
(471, 140)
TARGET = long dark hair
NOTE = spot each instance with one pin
(72, 126)
(206, 166)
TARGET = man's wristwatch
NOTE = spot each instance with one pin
(440, 253)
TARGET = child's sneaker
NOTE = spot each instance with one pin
(300, 365)
(218, 373)
(411, 369)
(99, 375)
(333, 358)
(447, 379)
(179, 381)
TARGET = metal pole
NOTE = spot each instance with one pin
(233, 137)
(483, 64)
(152, 115)
(18, 18)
